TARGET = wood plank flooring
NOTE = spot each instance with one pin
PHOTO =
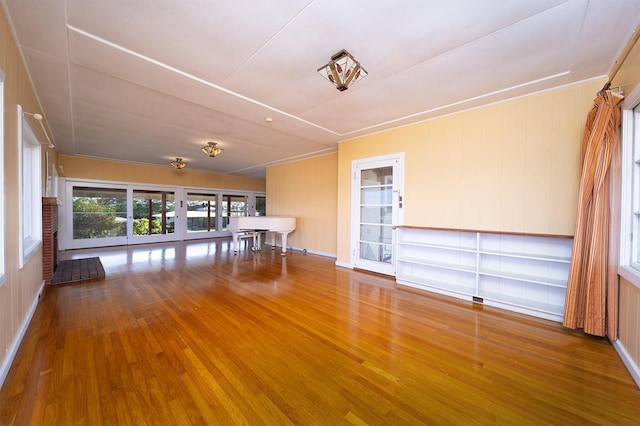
(188, 333)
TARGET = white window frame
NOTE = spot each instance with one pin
(30, 195)
(3, 277)
(629, 266)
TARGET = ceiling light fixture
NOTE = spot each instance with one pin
(178, 164)
(211, 149)
(343, 70)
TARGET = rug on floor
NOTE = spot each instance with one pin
(69, 271)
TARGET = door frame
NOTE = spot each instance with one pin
(397, 161)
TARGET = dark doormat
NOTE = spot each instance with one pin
(69, 271)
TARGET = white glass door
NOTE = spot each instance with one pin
(97, 215)
(376, 210)
(153, 215)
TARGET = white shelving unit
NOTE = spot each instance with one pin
(521, 272)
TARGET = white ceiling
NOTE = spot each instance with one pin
(146, 81)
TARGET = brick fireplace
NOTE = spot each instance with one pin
(49, 237)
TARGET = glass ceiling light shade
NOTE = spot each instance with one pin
(211, 149)
(178, 164)
(343, 70)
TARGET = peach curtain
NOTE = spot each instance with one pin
(592, 290)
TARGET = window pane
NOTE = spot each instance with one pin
(378, 176)
(261, 206)
(376, 214)
(99, 212)
(233, 205)
(376, 233)
(153, 213)
(201, 212)
(27, 186)
(635, 191)
(375, 252)
(380, 195)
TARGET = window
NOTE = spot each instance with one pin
(261, 205)
(2, 198)
(30, 189)
(630, 208)
(201, 212)
(99, 212)
(233, 205)
(153, 212)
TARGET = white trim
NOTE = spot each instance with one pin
(633, 368)
(13, 350)
(344, 264)
(28, 245)
(396, 161)
(628, 104)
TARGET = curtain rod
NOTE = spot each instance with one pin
(625, 52)
(39, 118)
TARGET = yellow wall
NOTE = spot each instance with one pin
(512, 166)
(628, 77)
(307, 189)
(20, 291)
(104, 170)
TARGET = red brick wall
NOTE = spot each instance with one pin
(49, 237)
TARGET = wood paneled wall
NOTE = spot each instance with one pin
(513, 166)
(307, 189)
(19, 294)
(105, 170)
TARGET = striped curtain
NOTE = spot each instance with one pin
(592, 291)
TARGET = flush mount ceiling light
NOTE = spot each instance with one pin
(178, 164)
(211, 149)
(343, 70)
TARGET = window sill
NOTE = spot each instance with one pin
(630, 274)
(29, 251)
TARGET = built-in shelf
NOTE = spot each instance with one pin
(526, 273)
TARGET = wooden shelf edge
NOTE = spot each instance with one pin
(527, 234)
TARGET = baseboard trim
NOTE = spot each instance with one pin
(344, 264)
(631, 365)
(300, 250)
(13, 350)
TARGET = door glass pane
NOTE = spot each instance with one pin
(376, 214)
(233, 205)
(201, 212)
(99, 212)
(375, 252)
(153, 212)
(376, 233)
(378, 176)
(261, 206)
(380, 195)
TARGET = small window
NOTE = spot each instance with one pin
(30, 189)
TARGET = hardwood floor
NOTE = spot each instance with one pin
(188, 333)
